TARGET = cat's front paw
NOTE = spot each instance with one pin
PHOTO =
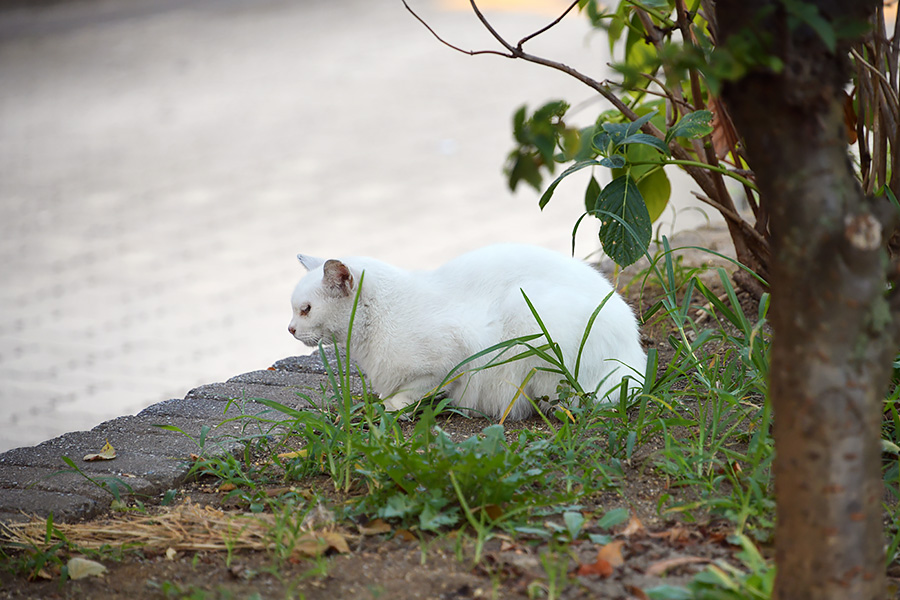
(397, 402)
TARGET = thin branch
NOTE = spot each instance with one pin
(540, 31)
(894, 44)
(735, 218)
(666, 93)
(700, 165)
(491, 29)
(448, 44)
(689, 40)
(890, 93)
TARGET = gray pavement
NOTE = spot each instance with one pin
(151, 460)
(162, 162)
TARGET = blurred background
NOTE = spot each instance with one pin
(162, 162)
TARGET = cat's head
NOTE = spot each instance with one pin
(322, 301)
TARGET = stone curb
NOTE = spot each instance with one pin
(153, 448)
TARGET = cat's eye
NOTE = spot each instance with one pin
(304, 310)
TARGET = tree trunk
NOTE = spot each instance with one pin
(834, 339)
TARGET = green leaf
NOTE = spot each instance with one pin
(554, 108)
(601, 141)
(591, 194)
(694, 125)
(626, 230)
(545, 142)
(398, 505)
(585, 149)
(600, 538)
(668, 592)
(656, 190)
(635, 126)
(532, 531)
(574, 521)
(640, 57)
(433, 519)
(647, 140)
(519, 124)
(614, 517)
(616, 161)
(616, 27)
(891, 196)
(618, 133)
(522, 166)
(545, 198)
(615, 132)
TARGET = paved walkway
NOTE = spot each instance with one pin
(162, 162)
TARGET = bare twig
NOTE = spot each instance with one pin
(689, 39)
(540, 31)
(889, 92)
(666, 92)
(493, 31)
(737, 219)
(448, 44)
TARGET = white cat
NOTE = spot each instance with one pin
(412, 327)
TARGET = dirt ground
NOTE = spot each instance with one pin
(397, 564)
(404, 566)
(650, 550)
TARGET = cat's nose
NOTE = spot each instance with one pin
(291, 329)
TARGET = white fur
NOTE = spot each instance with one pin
(412, 328)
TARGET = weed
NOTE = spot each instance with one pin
(723, 581)
(555, 561)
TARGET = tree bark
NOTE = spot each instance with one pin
(833, 336)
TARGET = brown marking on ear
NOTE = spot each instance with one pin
(338, 279)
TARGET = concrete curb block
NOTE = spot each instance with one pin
(150, 459)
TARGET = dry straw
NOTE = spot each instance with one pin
(189, 527)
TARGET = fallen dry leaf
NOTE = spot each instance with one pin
(677, 535)
(42, 574)
(600, 567)
(336, 541)
(612, 553)
(636, 593)
(660, 567)
(609, 557)
(227, 487)
(375, 527)
(405, 535)
(79, 568)
(107, 452)
(317, 543)
(634, 527)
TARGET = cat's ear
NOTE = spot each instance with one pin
(310, 262)
(338, 280)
